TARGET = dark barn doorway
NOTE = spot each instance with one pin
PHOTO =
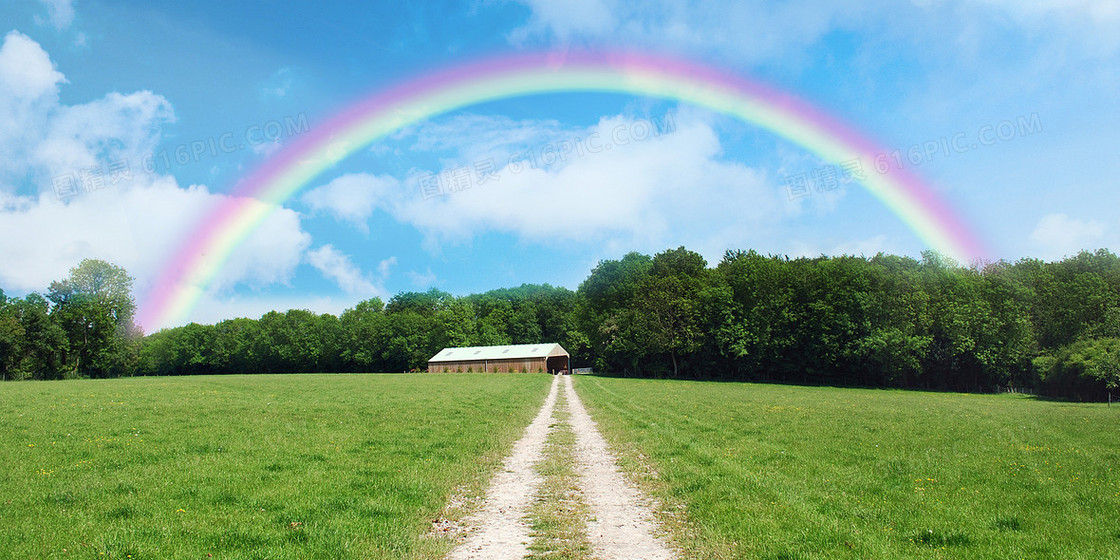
(556, 364)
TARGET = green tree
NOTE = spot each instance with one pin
(425, 304)
(94, 306)
(524, 326)
(404, 342)
(108, 285)
(1087, 369)
(605, 311)
(45, 341)
(194, 350)
(12, 340)
(332, 339)
(289, 342)
(666, 318)
(757, 337)
(455, 325)
(361, 328)
(495, 315)
(1073, 296)
(235, 346)
(899, 342)
(1104, 366)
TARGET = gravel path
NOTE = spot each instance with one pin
(621, 524)
(499, 530)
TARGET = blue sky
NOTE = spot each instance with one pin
(102, 106)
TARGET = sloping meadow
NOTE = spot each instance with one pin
(262, 466)
(771, 471)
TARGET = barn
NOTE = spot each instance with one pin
(528, 358)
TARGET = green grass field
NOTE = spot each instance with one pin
(240, 467)
(357, 466)
(767, 471)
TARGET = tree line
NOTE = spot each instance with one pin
(82, 327)
(884, 321)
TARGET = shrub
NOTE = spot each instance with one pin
(1085, 370)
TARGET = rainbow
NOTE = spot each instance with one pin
(191, 269)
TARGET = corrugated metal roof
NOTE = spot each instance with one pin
(511, 351)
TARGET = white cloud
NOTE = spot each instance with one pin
(1035, 11)
(751, 30)
(137, 228)
(755, 31)
(44, 238)
(269, 255)
(868, 247)
(422, 279)
(351, 198)
(338, 267)
(1091, 23)
(61, 12)
(645, 190)
(385, 266)
(266, 149)
(28, 93)
(1058, 235)
(278, 84)
(112, 129)
(474, 137)
(569, 17)
(42, 139)
(135, 219)
(26, 70)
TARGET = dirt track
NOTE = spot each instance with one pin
(499, 529)
(621, 524)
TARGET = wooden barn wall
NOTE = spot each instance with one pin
(530, 365)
